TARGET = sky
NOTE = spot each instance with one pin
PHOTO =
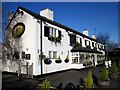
(77, 15)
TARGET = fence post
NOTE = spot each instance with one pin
(27, 67)
(19, 68)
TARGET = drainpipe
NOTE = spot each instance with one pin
(41, 47)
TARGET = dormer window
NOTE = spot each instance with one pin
(85, 42)
(89, 43)
(93, 44)
(72, 39)
(80, 40)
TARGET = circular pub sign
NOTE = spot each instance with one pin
(18, 30)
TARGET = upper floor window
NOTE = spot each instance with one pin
(81, 40)
(52, 34)
(78, 40)
(89, 43)
(46, 31)
(72, 39)
(85, 42)
(92, 44)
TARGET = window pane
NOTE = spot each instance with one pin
(78, 40)
(81, 40)
(54, 54)
(46, 31)
(50, 54)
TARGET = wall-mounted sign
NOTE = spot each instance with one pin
(18, 30)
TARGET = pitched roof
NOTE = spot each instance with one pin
(78, 48)
(51, 22)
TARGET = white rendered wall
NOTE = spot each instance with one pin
(62, 51)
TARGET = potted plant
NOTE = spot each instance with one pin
(58, 60)
(89, 80)
(104, 78)
(114, 71)
(67, 59)
(45, 85)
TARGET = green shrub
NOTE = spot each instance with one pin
(88, 62)
(45, 85)
(118, 65)
(89, 80)
(114, 68)
(104, 74)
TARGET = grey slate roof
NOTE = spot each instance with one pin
(78, 48)
(37, 16)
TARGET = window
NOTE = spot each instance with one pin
(75, 57)
(59, 34)
(50, 54)
(89, 43)
(77, 39)
(27, 56)
(51, 31)
(72, 40)
(96, 45)
(54, 32)
(81, 40)
(54, 54)
(92, 44)
(85, 42)
(23, 55)
(46, 31)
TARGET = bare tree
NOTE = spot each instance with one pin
(105, 39)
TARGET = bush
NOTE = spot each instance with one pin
(45, 85)
(118, 65)
(114, 68)
(104, 74)
(89, 80)
(99, 61)
(87, 63)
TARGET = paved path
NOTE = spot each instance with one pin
(73, 76)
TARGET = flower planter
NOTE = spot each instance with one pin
(47, 61)
(103, 83)
(58, 61)
(66, 60)
(114, 76)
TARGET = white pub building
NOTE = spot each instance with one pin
(48, 45)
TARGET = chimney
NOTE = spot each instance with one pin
(93, 36)
(85, 32)
(47, 13)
